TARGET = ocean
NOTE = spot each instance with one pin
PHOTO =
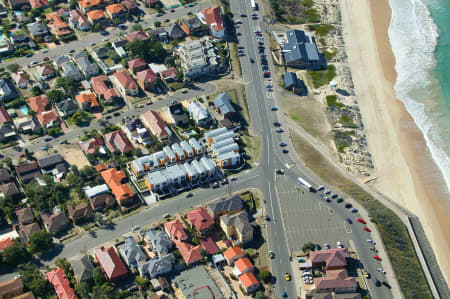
(419, 33)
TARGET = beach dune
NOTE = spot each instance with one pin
(404, 168)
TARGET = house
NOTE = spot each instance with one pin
(118, 182)
(151, 3)
(157, 126)
(159, 241)
(11, 288)
(3, 11)
(7, 132)
(96, 17)
(54, 223)
(169, 4)
(82, 267)
(158, 266)
(102, 52)
(111, 263)
(131, 252)
(115, 11)
(87, 101)
(89, 5)
(193, 26)
(101, 201)
(126, 83)
(224, 106)
(177, 115)
(243, 265)
(53, 164)
(59, 60)
(200, 219)
(38, 3)
(57, 26)
(157, 68)
(80, 213)
(199, 114)
(68, 69)
(237, 226)
(61, 284)
(197, 283)
(37, 30)
(27, 125)
(5, 176)
(45, 72)
(27, 172)
(198, 58)
(249, 283)
(118, 46)
(213, 18)
(331, 259)
(136, 35)
(225, 206)
(6, 47)
(300, 51)
(191, 254)
(168, 75)
(130, 6)
(25, 231)
(7, 90)
(137, 65)
(209, 245)
(293, 83)
(233, 254)
(21, 79)
(336, 281)
(175, 229)
(93, 145)
(78, 20)
(66, 107)
(25, 216)
(229, 159)
(21, 40)
(104, 89)
(19, 4)
(39, 104)
(9, 190)
(147, 79)
(116, 141)
(87, 67)
(137, 131)
(175, 32)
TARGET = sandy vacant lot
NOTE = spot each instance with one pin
(72, 154)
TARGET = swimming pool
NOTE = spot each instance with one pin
(24, 110)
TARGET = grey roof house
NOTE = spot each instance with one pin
(70, 70)
(7, 90)
(237, 226)
(157, 266)
(37, 30)
(301, 51)
(67, 107)
(224, 206)
(7, 132)
(27, 125)
(102, 52)
(175, 32)
(292, 82)
(53, 163)
(61, 59)
(159, 240)
(132, 252)
(87, 67)
(82, 268)
(224, 106)
(177, 114)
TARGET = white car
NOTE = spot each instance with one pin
(135, 228)
(339, 244)
(233, 178)
(369, 240)
(379, 269)
(105, 39)
(45, 51)
(91, 44)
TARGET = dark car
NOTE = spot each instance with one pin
(285, 151)
(274, 109)
(377, 282)
(348, 205)
(387, 285)
(108, 117)
(267, 218)
(252, 60)
(349, 221)
(277, 124)
(279, 130)
(116, 114)
(243, 15)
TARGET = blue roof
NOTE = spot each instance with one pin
(290, 80)
(223, 103)
(300, 46)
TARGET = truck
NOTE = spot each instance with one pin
(304, 183)
(254, 5)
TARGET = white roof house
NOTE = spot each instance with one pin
(95, 191)
(229, 134)
(175, 173)
(191, 171)
(222, 143)
(177, 149)
(201, 170)
(170, 154)
(187, 148)
(198, 113)
(216, 132)
(196, 145)
(234, 147)
(209, 165)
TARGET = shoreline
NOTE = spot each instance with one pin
(403, 164)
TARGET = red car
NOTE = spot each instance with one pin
(172, 10)
(377, 258)
(21, 155)
(367, 229)
(362, 221)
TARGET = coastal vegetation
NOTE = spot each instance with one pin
(294, 11)
(332, 101)
(321, 29)
(393, 232)
(320, 78)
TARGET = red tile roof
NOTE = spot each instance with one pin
(90, 98)
(38, 3)
(91, 145)
(90, 3)
(232, 252)
(125, 79)
(114, 8)
(243, 264)
(209, 245)
(129, 4)
(100, 167)
(101, 89)
(4, 117)
(213, 16)
(47, 117)
(20, 78)
(189, 252)
(335, 279)
(200, 219)
(170, 73)
(44, 70)
(11, 287)
(5, 243)
(61, 284)
(175, 229)
(146, 76)
(110, 262)
(95, 14)
(115, 180)
(57, 24)
(136, 35)
(116, 141)
(248, 279)
(39, 104)
(335, 257)
(157, 124)
(137, 63)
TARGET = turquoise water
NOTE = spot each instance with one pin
(420, 37)
(24, 110)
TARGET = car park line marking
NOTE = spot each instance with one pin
(348, 229)
(330, 211)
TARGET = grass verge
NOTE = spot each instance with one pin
(235, 64)
(320, 78)
(252, 148)
(394, 234)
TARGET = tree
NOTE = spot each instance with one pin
(116, 21)
(170, 60)
(83, 290)
(98, 27)
(142, 282)
(36, 91)
(28, 155)
(309, 246)
(260, 295)
(105, 291)
(265, 276)
(56, 95)
(157, 24)
(52, 3)
(69, 85)
(113, 56)
(40, 242)
(73, 4)
(150, 50)
(136, 27)
(98, 276)
(35, 12)
(16, 254)
(180, 76)
(33, 281)
(13, 67)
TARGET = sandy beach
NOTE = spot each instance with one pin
(404, 168)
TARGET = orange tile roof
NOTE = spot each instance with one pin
(90, 98)
(200, 219)
(114, 179)
(114, 8)
(156, 123)
(248, 279)
(57, 24)
(175, 229)
(232, 252)
(95, 14)
(243, 264)
(213, 16)
(189, 252)
(101, 89)
(47, 117)
(100, 167)
(38, 104)
(5, 243)
(125, 79)
(90, 3)
(61, 284)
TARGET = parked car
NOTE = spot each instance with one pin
(379, 269)
(91, 44)
(271, 254)
(326, 246)
(349, 221)
(279, 130)
(361, 221)
(373, 249)
(116, 114)
(377, 258)
(135, 228)
(366, 274)
(354, 210)
(287, 276)
(387, 285)
(274, 109)
(376, 281)
(252, 60)
(48, 138)
(277, 124)
(285, 151)
(367, 229)
(283, 144)
(339, 244)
